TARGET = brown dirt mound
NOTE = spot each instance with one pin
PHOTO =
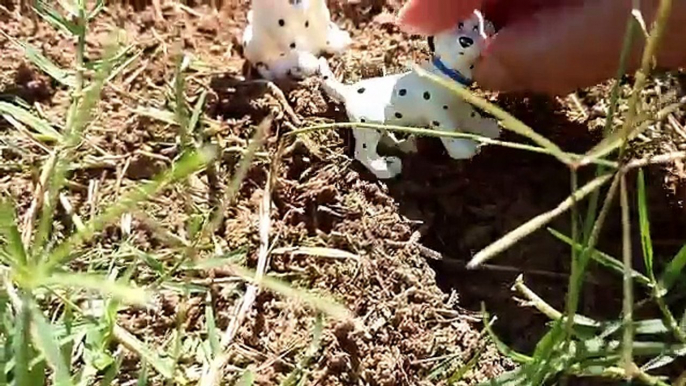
(413, 310)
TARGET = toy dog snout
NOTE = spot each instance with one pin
(465, 41)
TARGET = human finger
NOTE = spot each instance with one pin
(555, 51)
(427, 17)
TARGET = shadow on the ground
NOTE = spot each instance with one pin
(465, 206)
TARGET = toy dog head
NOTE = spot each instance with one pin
(459, 47)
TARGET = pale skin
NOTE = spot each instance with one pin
(551, 46)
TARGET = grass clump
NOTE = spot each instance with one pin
(575, 345)
(59, 324)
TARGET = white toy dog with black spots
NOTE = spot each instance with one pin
(284, 38)
(408, 99)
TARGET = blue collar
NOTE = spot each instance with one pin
(452, 74)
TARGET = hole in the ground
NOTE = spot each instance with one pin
(466, 205)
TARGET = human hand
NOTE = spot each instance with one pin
(551, 46)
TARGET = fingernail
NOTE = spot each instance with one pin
(407, 20)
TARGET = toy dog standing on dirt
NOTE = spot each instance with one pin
(408, 99)
(285, 37)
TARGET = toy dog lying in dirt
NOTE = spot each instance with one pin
(285, 37)
(408, 99)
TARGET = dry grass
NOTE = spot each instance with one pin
(180, 234)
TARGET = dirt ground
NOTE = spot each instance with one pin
(416, 297)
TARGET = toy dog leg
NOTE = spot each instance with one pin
(474, 123)
(457, 148)
(296, 64)
(337, 40)
(486, 127)
(408, 145)
(366, 142)
(331, 86)
(304, 64)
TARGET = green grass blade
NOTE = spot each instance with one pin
(99, 6)
(121, 67)
(22, 346)
(603, 259)
(197, 112)
(432, 133)
(535, 223)
(548, 356)
(181, 111)
(642, 327)
(247, 379)
(210, 263)
(47, 343)
(5, 338)
(212, 332)
(62, 76)
(165, 116)
(627, 355)
(143, 374)
(187, 165)
(500, 345)
(327, 306)
(70, 6)
(164, 366)
(471, 363)
(644, 225)
(112, 372)
(100, 284)
(299, 375)
(30, 120)
(510, 378)
(661, 360)
(507, 120)
(53, 17)
(673, 270)
(10, 233)
(79, 116)
(629, 33)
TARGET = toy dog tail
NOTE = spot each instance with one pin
(332, 87)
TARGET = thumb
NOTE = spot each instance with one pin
(557, 50)
(427, 17)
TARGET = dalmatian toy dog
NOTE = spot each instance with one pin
(285, 37)
(408, 99)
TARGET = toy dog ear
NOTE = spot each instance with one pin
(489, 28)
(430, 41)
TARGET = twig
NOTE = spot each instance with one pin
(64, 200)
(627, 302)
(38, 198)
(442, 134)
(212, 375)
(237, 180)
(676, 126)
(535, 300)
(157, 8)
(93, 197)
(278, 93)
(663, 12)
(657, 159)
(578, 105)
(535, 223)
